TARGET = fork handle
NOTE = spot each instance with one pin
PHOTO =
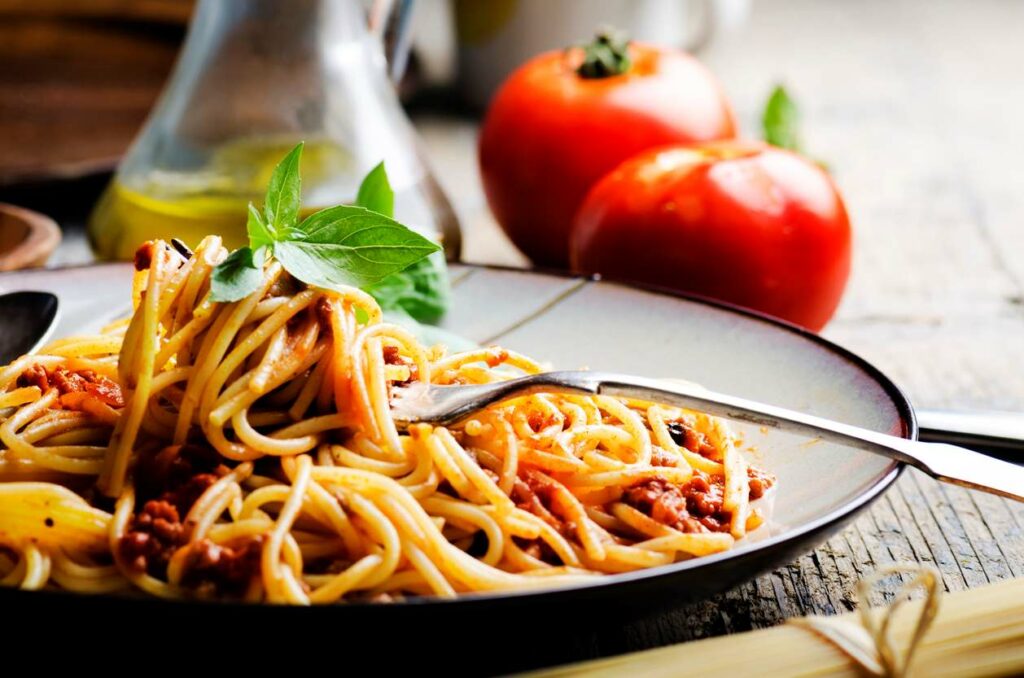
(948, 463)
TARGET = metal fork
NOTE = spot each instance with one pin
(445, 405)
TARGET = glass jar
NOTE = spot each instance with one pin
(254, 78)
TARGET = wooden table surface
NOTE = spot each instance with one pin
(915, 106)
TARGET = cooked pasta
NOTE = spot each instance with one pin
(247, 450)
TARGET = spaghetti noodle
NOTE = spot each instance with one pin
(246, 450)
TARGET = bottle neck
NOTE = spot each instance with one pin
(265, 68)
(283, 26)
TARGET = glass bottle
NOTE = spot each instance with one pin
(254, 78)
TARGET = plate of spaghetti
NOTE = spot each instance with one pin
(188, 452)
(230, 441)
(246, 452)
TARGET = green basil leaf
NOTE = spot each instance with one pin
(350, 246)
(260, 233)
(238, 276)
(375, 192)
(781, 120)
(422, 290)
(284, 193)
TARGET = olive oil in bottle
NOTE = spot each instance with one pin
(123, 219)
(253, 79)
(211, 200)
(190, 204)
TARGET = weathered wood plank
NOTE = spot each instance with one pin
(924, 519)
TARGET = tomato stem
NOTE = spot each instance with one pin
(606, 56)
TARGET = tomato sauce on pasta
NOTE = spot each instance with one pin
(247, 451)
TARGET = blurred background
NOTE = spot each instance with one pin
(912, 104)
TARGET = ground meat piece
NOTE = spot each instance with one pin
(392, 356)
(228, 568)
(106, 391)
(695, 506)
(185, 495)
(760, 481)
(663, 502)
(35, 376)
(704, 500)
(87, 381)
(691, 439)
(168, 483)
(144, 256)
(74, 381)
(172, 468)
(68, 382)
(153, 536)
(532, 492)
(539, 421)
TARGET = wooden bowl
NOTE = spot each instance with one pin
(27, 238)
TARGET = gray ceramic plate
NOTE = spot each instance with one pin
(571, 322)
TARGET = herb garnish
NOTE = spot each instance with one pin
(422, 290)
(348, 245)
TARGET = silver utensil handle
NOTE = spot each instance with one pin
(999, 434)
(949, 463)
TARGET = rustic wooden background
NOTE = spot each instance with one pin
(916, 105)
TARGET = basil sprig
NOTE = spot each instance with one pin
(422, 290)
(347, 245)
(239, 275)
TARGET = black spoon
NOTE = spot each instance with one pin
(26, 320)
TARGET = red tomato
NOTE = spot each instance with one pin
(551, 133)
(739, 221)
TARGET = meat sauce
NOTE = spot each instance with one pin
(532, 492)
(695, 506)
(693, 440)
(69, 382)
(228, 569)
(143, 258)
(168, 483)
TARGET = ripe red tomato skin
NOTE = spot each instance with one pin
(742, 222)
(550, 134)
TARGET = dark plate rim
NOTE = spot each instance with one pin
(904, 410)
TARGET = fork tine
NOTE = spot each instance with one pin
(445, 405)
